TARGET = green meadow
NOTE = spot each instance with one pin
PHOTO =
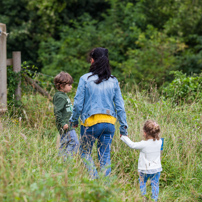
(31, 170)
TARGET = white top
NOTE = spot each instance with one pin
(150, 152)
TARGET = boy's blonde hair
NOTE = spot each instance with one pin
(62, 79)
(151, 128)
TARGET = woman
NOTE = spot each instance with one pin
(98, 101)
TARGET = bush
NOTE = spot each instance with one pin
(184, 88)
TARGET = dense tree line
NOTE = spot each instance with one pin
(146, 39)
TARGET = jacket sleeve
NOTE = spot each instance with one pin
(131, 144)
(78, 102)
(121, 114)
(59, 104)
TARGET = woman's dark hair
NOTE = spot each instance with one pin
(100, 66)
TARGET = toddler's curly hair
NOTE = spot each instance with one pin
(151, 128)
(62, 79)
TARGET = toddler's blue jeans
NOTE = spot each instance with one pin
(68, 144)
(104, 133)
(143, 177)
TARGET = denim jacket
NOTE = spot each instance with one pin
(102, 98)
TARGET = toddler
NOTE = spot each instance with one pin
(149, 163)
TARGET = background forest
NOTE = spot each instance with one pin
(146, 39)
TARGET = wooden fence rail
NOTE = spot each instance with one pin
(37, 87)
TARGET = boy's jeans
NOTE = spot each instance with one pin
(68, 144)
(154, 184)
(104, 133)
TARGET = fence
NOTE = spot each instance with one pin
(15, 61)
(4, 62)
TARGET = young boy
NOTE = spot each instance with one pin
(63, 111)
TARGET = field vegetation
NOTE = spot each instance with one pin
(31, 169)
(155, 51)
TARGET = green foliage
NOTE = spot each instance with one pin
(31, 169)
(155, 13)
(185, 19)
(191, 63)
(30, 22)
(138, 52)
(146, 39)
(13, 79)
(184, 88)
(75, 45)
(154, 58)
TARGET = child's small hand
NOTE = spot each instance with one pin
(120, 135)
(65, 127)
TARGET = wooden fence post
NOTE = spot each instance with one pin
(3, 69)
(17, 68)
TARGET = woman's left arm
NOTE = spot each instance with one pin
(78, 102)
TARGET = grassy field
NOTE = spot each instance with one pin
(30, 169)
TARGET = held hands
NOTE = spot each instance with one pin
(65, 127)
(124, 135)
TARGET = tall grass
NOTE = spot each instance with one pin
(30, 169)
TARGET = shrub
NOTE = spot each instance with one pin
(184, 88)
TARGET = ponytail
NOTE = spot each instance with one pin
(100, 66)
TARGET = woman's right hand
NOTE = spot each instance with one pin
(73, 125)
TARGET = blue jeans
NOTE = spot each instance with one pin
(68, 144)
(143, 177)
(104, 133)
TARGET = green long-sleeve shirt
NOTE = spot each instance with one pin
(62, 110)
